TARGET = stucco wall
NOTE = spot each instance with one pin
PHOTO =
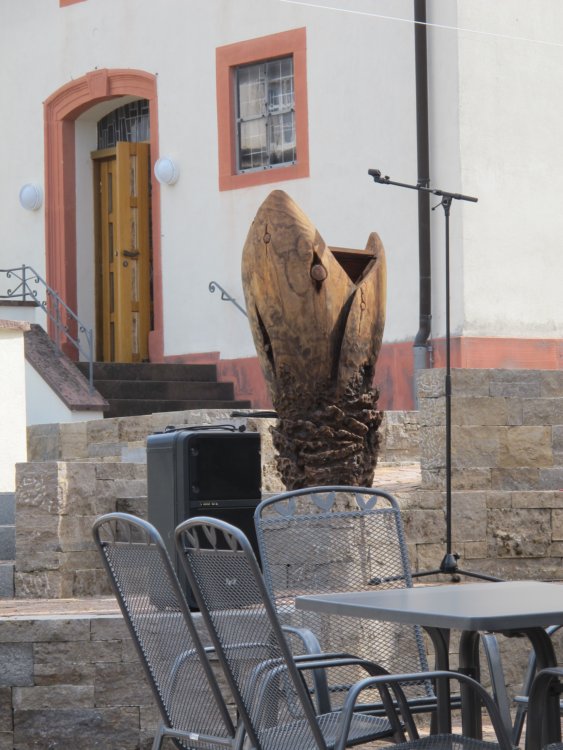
(493, 133)
(12, 387)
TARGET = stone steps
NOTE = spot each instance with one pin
(133, 389)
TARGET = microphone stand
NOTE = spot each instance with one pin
(449, 564)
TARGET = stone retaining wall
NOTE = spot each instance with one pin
(507, 472)
(78, 471)
(69, 681)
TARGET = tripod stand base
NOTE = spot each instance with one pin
(449, 566)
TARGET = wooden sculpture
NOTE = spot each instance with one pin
(318, 333)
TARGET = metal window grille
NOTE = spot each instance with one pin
(265, 97)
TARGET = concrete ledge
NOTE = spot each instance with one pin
(60, 373)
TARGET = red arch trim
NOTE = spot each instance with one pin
(60, 112)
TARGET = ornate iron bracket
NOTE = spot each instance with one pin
(226, 297)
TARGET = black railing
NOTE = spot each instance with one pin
(225, 296)
(28, 285)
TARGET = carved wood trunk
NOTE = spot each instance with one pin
(318, 333)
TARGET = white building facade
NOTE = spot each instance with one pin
(247, 96)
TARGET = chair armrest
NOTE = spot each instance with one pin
(398, 709)
(312, 646)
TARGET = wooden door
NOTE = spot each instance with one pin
(123, 288)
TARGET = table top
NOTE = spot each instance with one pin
(510, 605)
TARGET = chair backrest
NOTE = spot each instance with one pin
(162, 628)
(325, 539)
(228, 586)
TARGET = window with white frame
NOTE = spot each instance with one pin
(265, 101)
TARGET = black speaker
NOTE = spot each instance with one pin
(205, 472)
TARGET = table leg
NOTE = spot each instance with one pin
(441, 640)
(469, 664)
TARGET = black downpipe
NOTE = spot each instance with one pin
(423, 169)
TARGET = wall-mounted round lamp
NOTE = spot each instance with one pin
(166, 170)
(31, 197)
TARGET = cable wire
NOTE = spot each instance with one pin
(428, 24)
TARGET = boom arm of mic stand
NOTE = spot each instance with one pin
(386, 180)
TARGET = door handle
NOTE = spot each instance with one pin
(131, 253)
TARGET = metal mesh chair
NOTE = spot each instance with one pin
(325, 539)
(272, 697)
(545, 687)
(193, 713)
(522, 699)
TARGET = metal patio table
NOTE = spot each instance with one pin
(511, 608)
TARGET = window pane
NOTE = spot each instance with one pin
(253, 144)
(266, 118)
(251, 91)
(282, 138)
(280, 84)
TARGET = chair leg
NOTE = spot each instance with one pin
(522, 708)
(496, 672)
(158, 737)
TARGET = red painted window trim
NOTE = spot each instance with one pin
(229, 57)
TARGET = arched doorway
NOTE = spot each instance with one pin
(61, 110)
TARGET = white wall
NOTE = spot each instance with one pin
(495, 112)
(362, 119)
(13, 448)
(45, 407)
(506, 73)
(26, 400)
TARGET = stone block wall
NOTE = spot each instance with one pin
(79, 470)
(74, 680)
(507, 472)
(57, 503)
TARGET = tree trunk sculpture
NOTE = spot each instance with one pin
(318, 334)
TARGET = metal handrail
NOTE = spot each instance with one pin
(57, 311)
(225, 296)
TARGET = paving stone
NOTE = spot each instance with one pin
(543, 411)
(43, 442)
(77, 652)
(7, 508)
(92, 728)
(476, 446)
(7, 542)
(6, 722)
(515, 479)
(520, 533)
(16, 664)
(6, 580)
(479, 411)
(551, 383)
(525, 446)
(47, 630)
(551, 479)
(539, 499)
(121, 684)
(469, 509)
(53, 697)
(108, 628)
(512, 387)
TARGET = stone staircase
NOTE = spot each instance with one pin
(146, 388)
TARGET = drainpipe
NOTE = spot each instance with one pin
(421, 346)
